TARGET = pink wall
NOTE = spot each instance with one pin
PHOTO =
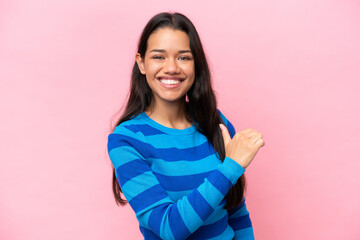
(289, 69)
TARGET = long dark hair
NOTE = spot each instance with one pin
(201, 107)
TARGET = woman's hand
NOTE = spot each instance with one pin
(243, 146)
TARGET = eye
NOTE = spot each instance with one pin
(157, 57)
(184, 58)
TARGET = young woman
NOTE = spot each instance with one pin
(177, 159)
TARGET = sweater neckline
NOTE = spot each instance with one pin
(173, 131)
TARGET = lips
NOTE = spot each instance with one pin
(170, 82)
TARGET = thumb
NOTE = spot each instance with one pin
(225, 134)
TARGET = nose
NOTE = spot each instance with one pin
(171, 66)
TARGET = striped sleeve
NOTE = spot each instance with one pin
(239, 218)
(154, 209)
(240, 222)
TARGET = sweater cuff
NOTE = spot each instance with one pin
(231, 169)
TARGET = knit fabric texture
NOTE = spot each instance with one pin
(175, 182)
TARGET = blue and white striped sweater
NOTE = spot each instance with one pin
(175, 183)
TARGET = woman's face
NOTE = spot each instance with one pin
(168, 65)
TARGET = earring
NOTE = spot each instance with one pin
(186, 98)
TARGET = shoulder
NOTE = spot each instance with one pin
(126, 132)
(130, 125)
(126, 142)
(223, 118)
(227, 123)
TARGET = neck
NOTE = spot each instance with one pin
(171, 115)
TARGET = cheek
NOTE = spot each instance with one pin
(191, 77)
(151, 72)
(189, 70)
(151, 67)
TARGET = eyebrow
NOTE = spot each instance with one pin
(162, 50)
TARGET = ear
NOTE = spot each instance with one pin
(140, 63)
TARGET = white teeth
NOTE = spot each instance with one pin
(169, 81)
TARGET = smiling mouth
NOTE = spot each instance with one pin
(170, 80)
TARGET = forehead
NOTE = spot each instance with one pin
(168, 39)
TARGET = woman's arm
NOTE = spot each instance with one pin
(240, 222)
(153, 207)
(239, 218)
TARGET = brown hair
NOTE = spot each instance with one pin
(201, 107)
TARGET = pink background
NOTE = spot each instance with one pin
(289, 69)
